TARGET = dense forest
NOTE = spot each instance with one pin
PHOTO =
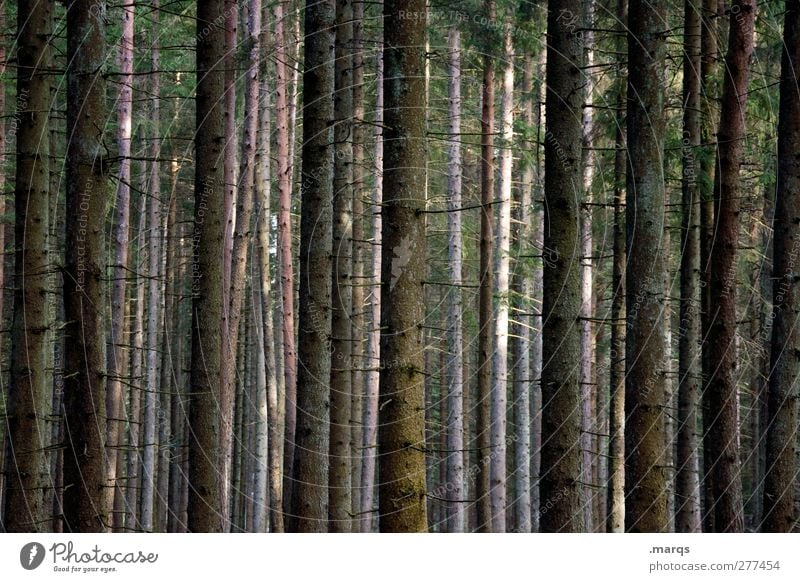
(399, 266)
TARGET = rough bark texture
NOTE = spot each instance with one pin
(687, 477)
(339, 493)
(561, 420)
(455, 491)
(723, 392)
(206, 502)
(309, 511)
(497, 468)
(402, 387)
(484, 364)
(285, 245)
(781, 475)
(370, 435)
(87, 498)
(645, 479)
(29, 487)
(120, 235)
(615, 522)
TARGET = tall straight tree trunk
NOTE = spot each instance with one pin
(339, 493)
(206, 504)
(484, 371)
(370, 434)
(154, 291)
(501, 288)
(522, 296)
(285, 245)
(87, 497)
(3, 144)
(615, 522)
(455, 509)
(645, 478)
(587, 284)
(781, 473)
(723, 391)
(561, 420)
(708, 69)
(359, 250)
(28, 505)
(402, 386)
(687, 487)
(120, 235)
(309, 508)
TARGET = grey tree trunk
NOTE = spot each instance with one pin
(687, 462)
(455, 488)
(339, 493)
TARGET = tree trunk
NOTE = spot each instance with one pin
(285, 245)
(561, 509)
(615, 522)
(402, 387)
(501, 291)
(723, 392)
(645, 479)
(339, 493)
(370, 435)
(87, 497)
(484, 370)
(781, 474)
(29, 488)
(206, 508)
(310, 494)
(454, 490)
(687, 491)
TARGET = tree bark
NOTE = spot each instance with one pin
(87, 497)
(311, 464)
(645, 479)
(723, 392)
(29, 488)
(339, 493)
(781, 473)
(561, 420)
(687, 488)
(402, 387)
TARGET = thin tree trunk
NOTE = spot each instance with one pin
(3, 426)
(28, 506)
(87, 497)
(339, 494)
(285, 245)
(484, 371)
(781, 474)
(120, 235)
(497, 468)
(370, 434)
(455, 487)
(309, 511)
(522, 295)
(561, 417)
(687, 477)
(723, 392)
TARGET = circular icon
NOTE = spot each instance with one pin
(31, 555)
